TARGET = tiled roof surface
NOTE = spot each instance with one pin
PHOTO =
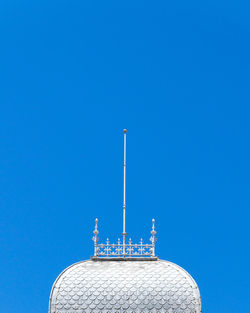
(125, 286)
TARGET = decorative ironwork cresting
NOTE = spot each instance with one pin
(124, 249)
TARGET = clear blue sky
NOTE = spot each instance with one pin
(73, 74)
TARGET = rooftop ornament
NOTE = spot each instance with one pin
(125, 250)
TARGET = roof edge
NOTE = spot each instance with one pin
(96, 259)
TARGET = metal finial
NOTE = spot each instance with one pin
(153, 238)
(96, 226)
(95, 238)
(153, 232)
(124, 194)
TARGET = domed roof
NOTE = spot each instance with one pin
(124, 286)
(124, 277)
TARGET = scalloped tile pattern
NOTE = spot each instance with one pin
(125, 286)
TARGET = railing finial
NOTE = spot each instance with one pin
(95, 238)
(153, 238)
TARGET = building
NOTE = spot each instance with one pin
(124, 277)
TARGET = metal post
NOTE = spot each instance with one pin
(153, 239)
(95, 238)
(124, 195)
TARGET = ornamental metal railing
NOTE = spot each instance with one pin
(124, 249)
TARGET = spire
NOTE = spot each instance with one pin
(123, 250)
(124, 194)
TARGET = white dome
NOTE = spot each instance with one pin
(124, 286)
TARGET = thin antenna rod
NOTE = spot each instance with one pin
(124, 194)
